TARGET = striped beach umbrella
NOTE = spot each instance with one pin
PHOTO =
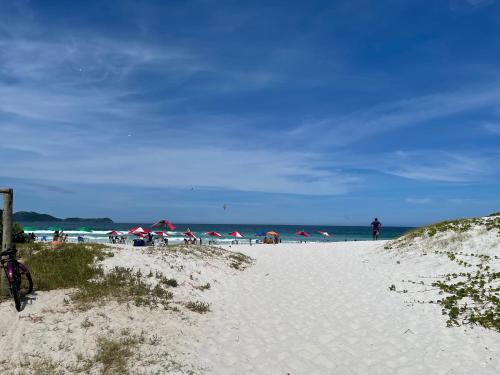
(164, 224)
(213, 234)
(236, 234)
(138, 230)
(302, 233)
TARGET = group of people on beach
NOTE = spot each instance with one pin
(272, 240)
(117, 239)
(60, 236)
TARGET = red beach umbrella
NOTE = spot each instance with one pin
(326, 234)
(138, 230)
(164, 224)
(236, 234)
(161, 234)
(213, 234)
(302, 233)
(188, 234)
(115, 233)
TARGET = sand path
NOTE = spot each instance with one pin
(326, 309)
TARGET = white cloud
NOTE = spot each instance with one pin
(439, 166)
(346, 129)
(243, 170)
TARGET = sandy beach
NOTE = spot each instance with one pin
(326, 309)
(297, 309)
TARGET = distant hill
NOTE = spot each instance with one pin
(30, 216)
(96, 220)
(33, 216)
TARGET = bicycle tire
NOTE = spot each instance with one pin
(30, 282)
(16, 292)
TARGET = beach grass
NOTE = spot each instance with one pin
(239, 261)
(234, 259)
(114, 354)
(63, 266)
(198, 306)
(121, 285)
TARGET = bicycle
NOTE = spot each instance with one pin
(14, 272)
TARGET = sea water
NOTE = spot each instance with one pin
(287, 232)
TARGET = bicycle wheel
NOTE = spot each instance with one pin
(26, 282)
(16, 293)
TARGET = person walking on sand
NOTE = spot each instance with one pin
(376, 228)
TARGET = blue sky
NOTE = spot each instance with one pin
(312, 112)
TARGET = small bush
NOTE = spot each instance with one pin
(239, 261)
(199, 307)
(204, 287)
(170, 282)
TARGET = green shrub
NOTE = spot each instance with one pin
(63, 266)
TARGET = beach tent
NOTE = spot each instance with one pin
(138, 230)
(302, 233)
(272, 233)
(213, 234)
(236, 234)
(164, 224)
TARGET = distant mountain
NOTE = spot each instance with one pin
(30, 216)
(33, 216)
(80, 220)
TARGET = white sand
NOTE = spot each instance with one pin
(300, 309)
(326, 309)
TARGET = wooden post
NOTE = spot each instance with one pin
(8, 197)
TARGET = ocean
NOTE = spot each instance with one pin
(249, 231)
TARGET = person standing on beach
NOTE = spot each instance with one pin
(376, 228)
